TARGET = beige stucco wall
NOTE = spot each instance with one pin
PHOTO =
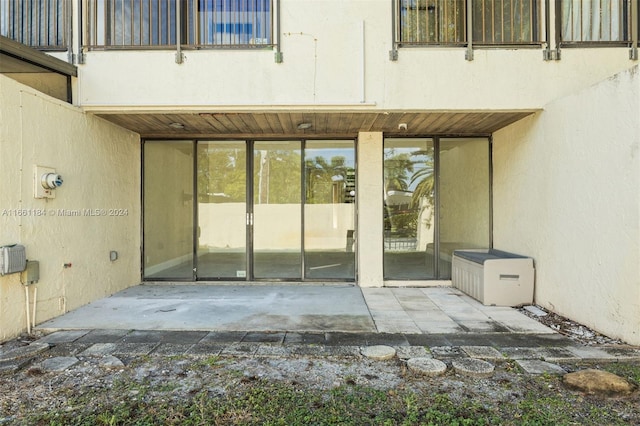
(336, 53)
(100, 164)
(566, 191)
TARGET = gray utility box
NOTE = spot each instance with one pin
(493, 277)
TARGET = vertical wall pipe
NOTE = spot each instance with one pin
(363, 65)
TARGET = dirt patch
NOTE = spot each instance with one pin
(569, 328)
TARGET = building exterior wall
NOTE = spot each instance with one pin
(565, 181)
(566, 192)
(100, 165)
(337, 53)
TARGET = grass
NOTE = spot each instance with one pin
(262, 402)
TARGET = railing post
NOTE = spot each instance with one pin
(633, 52)
(469, 53)
(277, 33)
(179, 55)
(80, 32)
(393, 53)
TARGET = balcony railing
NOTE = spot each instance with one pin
(444, 22)
(156, 23)
(595, 21)
(41, 24)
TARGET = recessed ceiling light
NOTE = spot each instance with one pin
(176, 125)
(304, 126)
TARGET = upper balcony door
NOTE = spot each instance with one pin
(264, 210)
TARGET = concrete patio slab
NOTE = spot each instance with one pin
(318, 308)
(225, 308)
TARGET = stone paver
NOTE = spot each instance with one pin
(379, 352)
(24, 351)
(134, 349)
(590, 352)
(264, 337)
(427, 366)
(99, 349)
(473, 367)
(623, 353)
(240, 349)
(206, 348)
(274, 350)
(65, 336)
(534, 366)
(59, 363)
(447, 352)
(111, 361)
(10, 367)
(407, 352)
(483, 352)
(172, 349)
(103, 336)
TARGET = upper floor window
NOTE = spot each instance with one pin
(41, 24)
(229, 22)
(153, 23)
(595, 20)
(445, 21)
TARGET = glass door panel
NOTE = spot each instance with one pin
(222, 210)
(409, 209)
(464, 198)
(168, 210)
(329, 210)
(277, 215)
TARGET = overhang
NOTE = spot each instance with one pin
(36, 69)
(318, 121)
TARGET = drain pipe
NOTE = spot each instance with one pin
(35, 302)
(26, 294)
(363, 65)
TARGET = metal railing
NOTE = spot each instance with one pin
(500, 22)
(431, 22)
(129, 24)
(595, 21)
(505, 21)
(41, 24)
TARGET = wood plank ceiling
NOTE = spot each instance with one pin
(285, 124)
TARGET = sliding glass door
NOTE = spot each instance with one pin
(329, 210)
(409, 209)
(168, 210)
(277, 215)
(262, 210)
(222, 208)
(436, 200)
